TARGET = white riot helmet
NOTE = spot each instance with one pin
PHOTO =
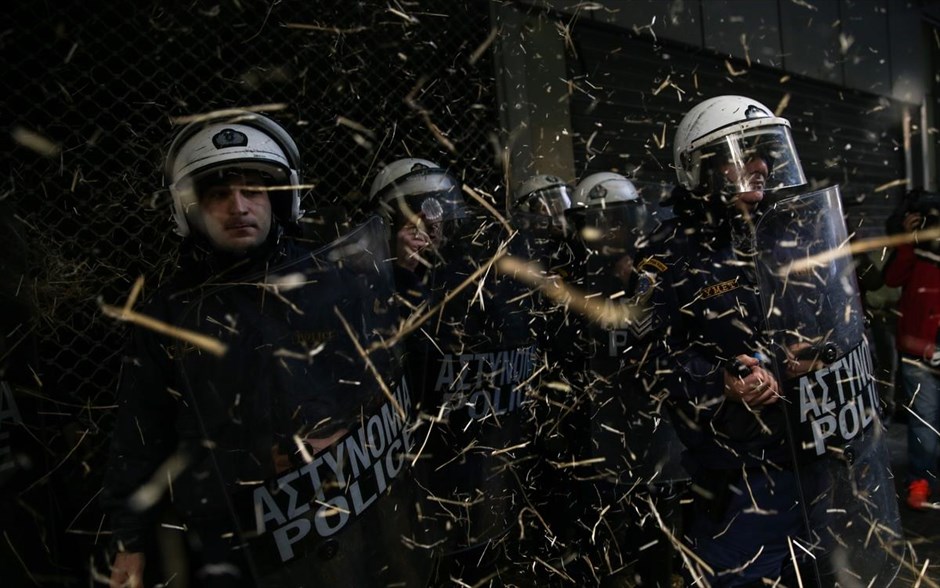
(543, 194)
(603, 189)
(413, 185)
(718, 137)
(248, 141)
(609, 214)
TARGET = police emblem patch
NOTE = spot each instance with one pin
(229, 138)
(644, 283)
(755, 112)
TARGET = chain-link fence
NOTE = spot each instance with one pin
(92, 93)
(95, 90)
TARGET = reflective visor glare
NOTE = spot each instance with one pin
(433, 206)
(551, 202)
(757, 160)
(615, 226)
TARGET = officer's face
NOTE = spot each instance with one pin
(623, 268)
(236, 212)
(749, 181)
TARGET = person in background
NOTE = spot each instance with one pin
(880, 302)
(915, 268)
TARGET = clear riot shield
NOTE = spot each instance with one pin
(633, 451)
(472, 363)
(821, 357)
(313, 449)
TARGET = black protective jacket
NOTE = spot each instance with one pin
(216, 423)
(705, 310)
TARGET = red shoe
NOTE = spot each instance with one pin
(917, 493)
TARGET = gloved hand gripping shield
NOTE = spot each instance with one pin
(821, 355)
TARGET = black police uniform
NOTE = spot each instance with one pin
(290, 371)
(706, 310)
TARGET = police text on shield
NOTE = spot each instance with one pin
(485, 383)
(839, 401)
(339, 484)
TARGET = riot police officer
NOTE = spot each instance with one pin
(279, 446)
(470, 364)
(630, 446)
(737, 327)
(421, 200)
(538, 208)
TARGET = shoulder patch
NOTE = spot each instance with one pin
(644, 284)
(652, 262)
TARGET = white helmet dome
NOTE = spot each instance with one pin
(405, 184)
(731, 130)
(248, 141)
(604, 189)
(543, 194)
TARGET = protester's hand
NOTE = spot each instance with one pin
(759, 388)
(128, 570)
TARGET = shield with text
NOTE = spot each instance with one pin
(820, 354)
(472, 364)
(307, 422)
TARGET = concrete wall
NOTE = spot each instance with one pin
(882, 47)
(533, 95)
(875, 46)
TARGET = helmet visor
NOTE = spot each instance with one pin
(761, 159)
(551, 202)
(406, 197)
(273, 180)
(613, 230)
